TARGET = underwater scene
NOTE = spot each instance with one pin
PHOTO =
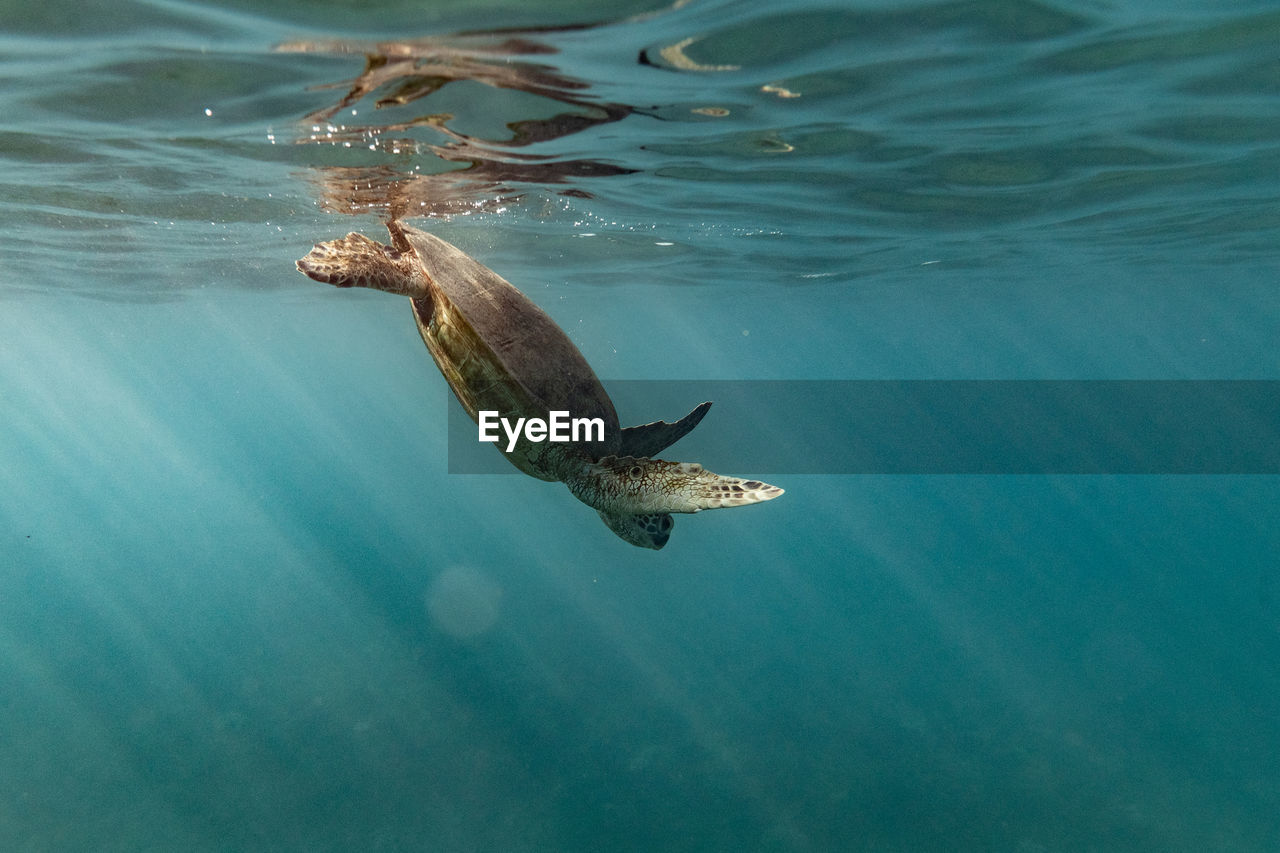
(975, 548)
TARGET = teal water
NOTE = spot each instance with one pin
(243, 605)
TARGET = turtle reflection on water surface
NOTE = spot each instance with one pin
(500, 352)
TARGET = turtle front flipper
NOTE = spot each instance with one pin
(626, 485)
(652, 439)
(650, 530)
(357, 261)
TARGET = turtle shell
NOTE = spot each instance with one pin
(501, 352)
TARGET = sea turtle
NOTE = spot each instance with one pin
(501, 353)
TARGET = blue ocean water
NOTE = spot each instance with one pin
(243, 605)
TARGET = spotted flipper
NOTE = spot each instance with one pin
(651, 530)
(357, 261)
(626, 485)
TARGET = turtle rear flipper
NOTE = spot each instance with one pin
(652, 439)
(357, 261)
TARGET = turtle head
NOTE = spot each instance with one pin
(650, 530)
(629, 485)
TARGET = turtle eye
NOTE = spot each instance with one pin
(635, 471)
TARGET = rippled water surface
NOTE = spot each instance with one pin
(245, 606)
